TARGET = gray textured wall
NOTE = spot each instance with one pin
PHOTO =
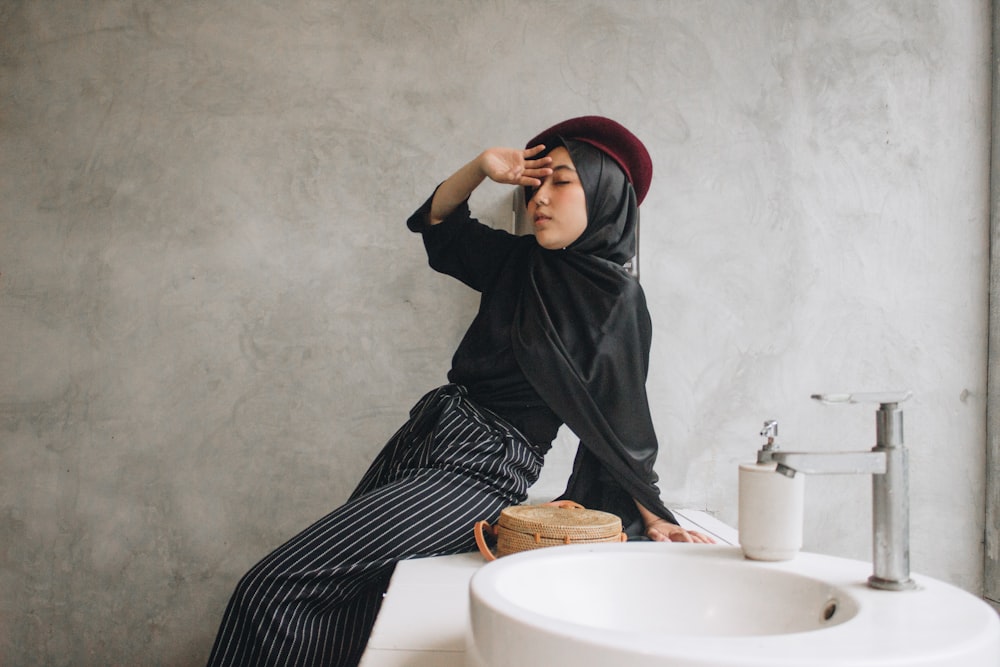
(211, 316)
(991, 573)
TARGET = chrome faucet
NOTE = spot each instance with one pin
(886, 463)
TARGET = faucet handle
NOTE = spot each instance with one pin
(880, 397)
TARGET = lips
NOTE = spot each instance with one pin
(541, 219)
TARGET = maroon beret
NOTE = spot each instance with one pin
(614, 139)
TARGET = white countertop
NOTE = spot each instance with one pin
(425, 613)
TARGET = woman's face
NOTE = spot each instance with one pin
(558, 208)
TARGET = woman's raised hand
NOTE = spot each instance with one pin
(514, 166)
(511, 166)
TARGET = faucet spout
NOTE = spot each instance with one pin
(830, 463)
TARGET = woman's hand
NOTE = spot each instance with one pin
(510, 166)
(662, 530)
(513, 166)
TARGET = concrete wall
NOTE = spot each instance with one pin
(991, 573)
(211, 315)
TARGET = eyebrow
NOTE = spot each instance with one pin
(564, 167)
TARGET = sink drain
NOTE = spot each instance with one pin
(829, 610)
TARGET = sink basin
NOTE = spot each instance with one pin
(718, 597)
(653, 604)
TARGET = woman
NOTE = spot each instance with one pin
(562, 336)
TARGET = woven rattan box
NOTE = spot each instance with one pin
(525, 527)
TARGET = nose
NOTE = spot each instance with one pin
(540, 195)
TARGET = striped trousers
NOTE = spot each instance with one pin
(313, 601)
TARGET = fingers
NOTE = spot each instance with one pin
(532, 181)
(674, 534)
(701, 539)
(538, 165)
(503, 165)
(679, 534)
(532, 177)
(538, 169)
(512, 166)
(533, 151)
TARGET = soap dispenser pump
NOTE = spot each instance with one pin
(770, 431)
(770, 505)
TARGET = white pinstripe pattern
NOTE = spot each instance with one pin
(314, 600)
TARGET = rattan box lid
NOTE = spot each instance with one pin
(559, 522)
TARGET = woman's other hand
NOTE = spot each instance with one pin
(662, 530)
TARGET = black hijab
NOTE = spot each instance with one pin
(582, 336)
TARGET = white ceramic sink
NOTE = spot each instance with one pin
(649, 604)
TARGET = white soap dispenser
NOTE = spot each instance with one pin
(770, 506)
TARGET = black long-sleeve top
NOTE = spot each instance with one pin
(490, 261)
(496, 263)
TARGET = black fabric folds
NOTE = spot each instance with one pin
(582, 336)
